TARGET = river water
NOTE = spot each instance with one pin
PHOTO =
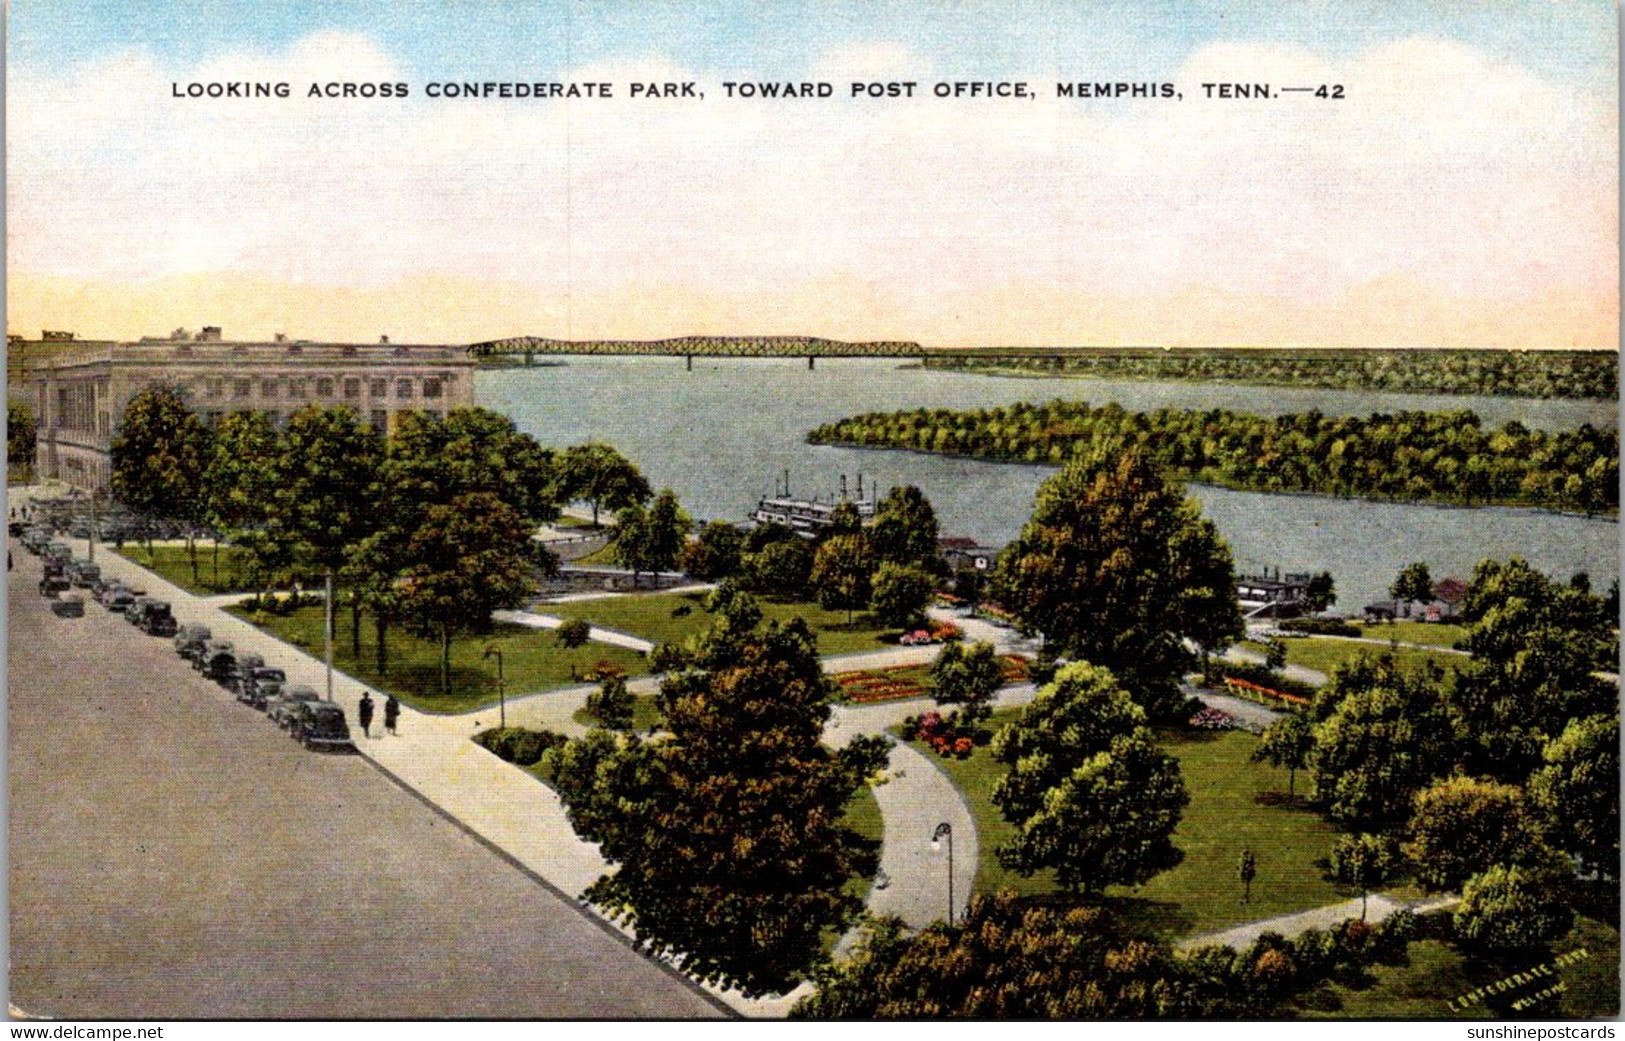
(723, 435)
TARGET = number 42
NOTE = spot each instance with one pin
(1335, 91)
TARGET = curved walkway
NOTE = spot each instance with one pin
(1291, 672)
(1379, 907)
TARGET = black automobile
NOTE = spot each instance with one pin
(320, 724)
(261, 685)
(244, 668)
(206, 653)
(71, 605)
(84, 574)
(136, 613)
(119, 601)
(191, 639)
(285, 705)
(159, 621)
(220, 665)
(51, 585)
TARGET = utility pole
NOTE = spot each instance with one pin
(327, 631)
(946, 830)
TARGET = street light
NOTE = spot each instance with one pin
(946, 831)
(502, 696)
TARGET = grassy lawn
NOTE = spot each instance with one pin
(1428, 634)
(1438, 972)
(532, 660)
(1230, 810)
(659, 618)
(173, 564)
(1325, 653)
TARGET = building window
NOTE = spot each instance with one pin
(431, 387)
(352, 388)
(380, 420)
(403, 389)
(214, 388)
(296, 388)
(267, 388)
(378, 388)
(324, 387)
(242, 388)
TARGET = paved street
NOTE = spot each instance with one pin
(173, 855)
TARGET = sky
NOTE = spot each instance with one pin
(1463, 192)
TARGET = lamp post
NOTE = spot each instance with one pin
(502, 694)
(946, 831)
(327, 629)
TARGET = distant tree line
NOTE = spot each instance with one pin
(1519, 374)
(1433, 456)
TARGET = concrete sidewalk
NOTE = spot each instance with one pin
(1379, 907)
(535, 620)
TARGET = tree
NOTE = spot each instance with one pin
(1577, 792)
(22, 436)
(780, 568)
(731, 850)
(841, 574)
(1366, 862)
(1247, 871)
(844, 519)
(1515, 909)
(599, 475)
(1118, 568)
(1536, 646)
(1413, 584)
(159, 455)
(1322, 592)
(467, 559)
(1463, 825)
(968, 585)
(900, 594)
(716, 554)
(1287, 743)
(611, 704)
(904, 530)
(967, 676)
(472, 450)
(1388, 736)
(1089, 792)
(1275, 654)
(240, 476)
(574, 633)
(325, 475)
(651, 539)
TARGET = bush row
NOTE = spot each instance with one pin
(517, 744)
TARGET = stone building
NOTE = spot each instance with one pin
(78, 389)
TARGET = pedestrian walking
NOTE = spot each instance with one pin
(365, 713)
(392, 712)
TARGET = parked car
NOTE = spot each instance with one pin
(15, 529)
(190, 639)
(282, 707)
(206, 653)
(51, 585)
(244, 667)
(261, 685)
(159, 621)
(136, 613)
(220, 665)
(84, 574)
(59, 551)
(321, 724)
(120, 601)
(71, 605)
(55, 569)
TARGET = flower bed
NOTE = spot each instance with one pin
(1256, 692)
(896, 682)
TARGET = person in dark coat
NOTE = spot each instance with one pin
(364, 712)
(392, 712)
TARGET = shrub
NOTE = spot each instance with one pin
(1321, 627)
(574, 633)
(603, 670)
(1514, 909)
(517, 744)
